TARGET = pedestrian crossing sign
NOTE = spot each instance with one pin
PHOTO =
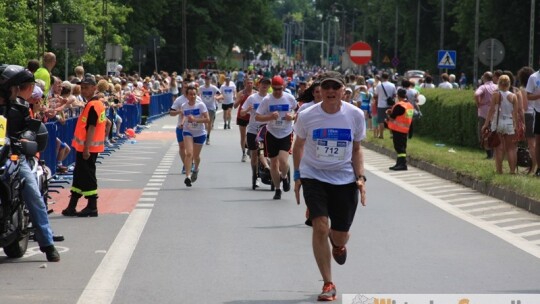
(446, 59)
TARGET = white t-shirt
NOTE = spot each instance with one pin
(305, 105)
(445, 85)
(208, 96)
(177, 105)
(195, 128)
(228, 92)
(533, 87)
(329, 142)
(390, 89)
(280, 127)
(253, 100)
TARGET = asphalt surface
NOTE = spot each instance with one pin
(157, 241)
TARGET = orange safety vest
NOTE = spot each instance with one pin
(145, 99)
(97, 144)
(402, 122)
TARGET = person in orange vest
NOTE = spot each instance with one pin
(88, 141)
(399, 121)
(145, 103)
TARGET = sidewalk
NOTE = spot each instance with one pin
(497, 192)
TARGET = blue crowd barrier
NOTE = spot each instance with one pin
(131, 117)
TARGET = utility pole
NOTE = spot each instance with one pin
(531, 34)
(476, 26)
(40, 28)
(417, 36)
(184, 36)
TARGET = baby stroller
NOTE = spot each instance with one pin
(262, 172)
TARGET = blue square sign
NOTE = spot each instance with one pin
(446, 59)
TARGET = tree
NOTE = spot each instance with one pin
(18, 33)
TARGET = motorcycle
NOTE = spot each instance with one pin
(14, 215)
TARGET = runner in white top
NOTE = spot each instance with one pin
(311, 95)
(250, 107)
(328, 163)
(277, 110)
(210, 95)
(194, 116)
(228, 91)
(176, 110)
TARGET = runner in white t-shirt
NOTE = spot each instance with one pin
(210, 95)
(277, 110)
(328, 163)
(176, 110)
(194, 116)
(250, 107)
(228, 91)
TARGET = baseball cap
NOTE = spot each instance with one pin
(265, 81)
(277, 81)
(332, 76)
(348, 90)
(88, 79)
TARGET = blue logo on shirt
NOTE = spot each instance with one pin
(193, 112)
(279, 107)
(332, 134)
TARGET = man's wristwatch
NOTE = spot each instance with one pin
(363, 177)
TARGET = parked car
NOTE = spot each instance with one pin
(414, 75)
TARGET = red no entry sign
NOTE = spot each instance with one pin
(360, 52)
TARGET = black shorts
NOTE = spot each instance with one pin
(536, 123)
(273, 145)
(251, 140)
(242, 122)
(338, 202)
(225, 107)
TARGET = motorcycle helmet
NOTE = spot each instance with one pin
(42, 137)
(14, 75)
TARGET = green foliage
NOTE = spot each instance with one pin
(449, 116)
(17, 32)
(465, 161)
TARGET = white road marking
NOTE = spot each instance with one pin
(147, 199)
(150, 193)
(103, 285)
(507, 236)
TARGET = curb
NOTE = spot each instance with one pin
(506, 195)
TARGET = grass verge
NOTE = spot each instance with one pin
(465, 161)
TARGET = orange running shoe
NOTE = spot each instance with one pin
(328, 292)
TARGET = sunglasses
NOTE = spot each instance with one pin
(331, 85)
(277, 89)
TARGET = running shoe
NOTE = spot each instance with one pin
(339, 253)
(286, 184)
(277, 195)
(194, 176)
(208, 141)
(187, 181)
(244, 158)
(328, 292)
(183, 170)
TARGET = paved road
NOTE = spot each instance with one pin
(157, 241)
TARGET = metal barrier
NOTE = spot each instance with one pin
(131, 117)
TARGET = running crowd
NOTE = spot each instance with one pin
(319, 117)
